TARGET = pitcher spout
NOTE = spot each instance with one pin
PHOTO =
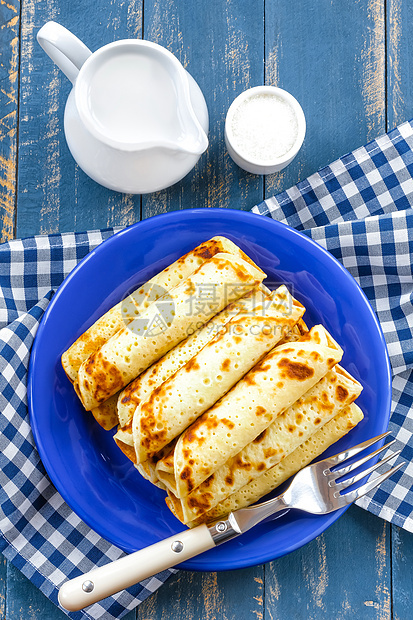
(192, 144)
(192, 114)
(192, 139)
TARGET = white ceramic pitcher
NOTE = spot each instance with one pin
(135, 120)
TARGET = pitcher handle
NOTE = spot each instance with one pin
(67, 51)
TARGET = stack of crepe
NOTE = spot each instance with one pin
(225, 402)
(119, 346)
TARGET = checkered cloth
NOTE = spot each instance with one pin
(39, 532)
(360, 209)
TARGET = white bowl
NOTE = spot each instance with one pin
(239, 153)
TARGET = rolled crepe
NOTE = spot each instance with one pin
(223, 279)
(120, 407)
(147, 472)
(294, 426)
(280, 379)
(106, 414)
(123, 313)
(147, 469)
(295, 333)
(124, 436)
(110, 413)
(207, 376)
(302, 456)
(141, 388)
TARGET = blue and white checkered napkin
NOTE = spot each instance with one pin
(360, 209)
(39, 533)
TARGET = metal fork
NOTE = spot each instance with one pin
(316, 489)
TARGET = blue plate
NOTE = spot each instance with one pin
(82, 460)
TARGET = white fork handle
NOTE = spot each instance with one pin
(111, 578)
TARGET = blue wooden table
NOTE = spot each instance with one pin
(349, 64)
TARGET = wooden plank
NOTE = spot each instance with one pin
(25, 602)
(402, 547)
(399, 62)
(9, 45)
(343, 574)
(222, 47)
(54, 194)
(233, 595)
(331, 57)
(3, 588)
(400, 109)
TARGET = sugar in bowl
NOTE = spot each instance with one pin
(264, 129)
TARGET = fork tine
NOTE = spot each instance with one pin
(350, 497)
(366, 472)
(343, 456)
(338, 473)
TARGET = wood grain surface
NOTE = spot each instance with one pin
(349, 64)
(9, 91)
